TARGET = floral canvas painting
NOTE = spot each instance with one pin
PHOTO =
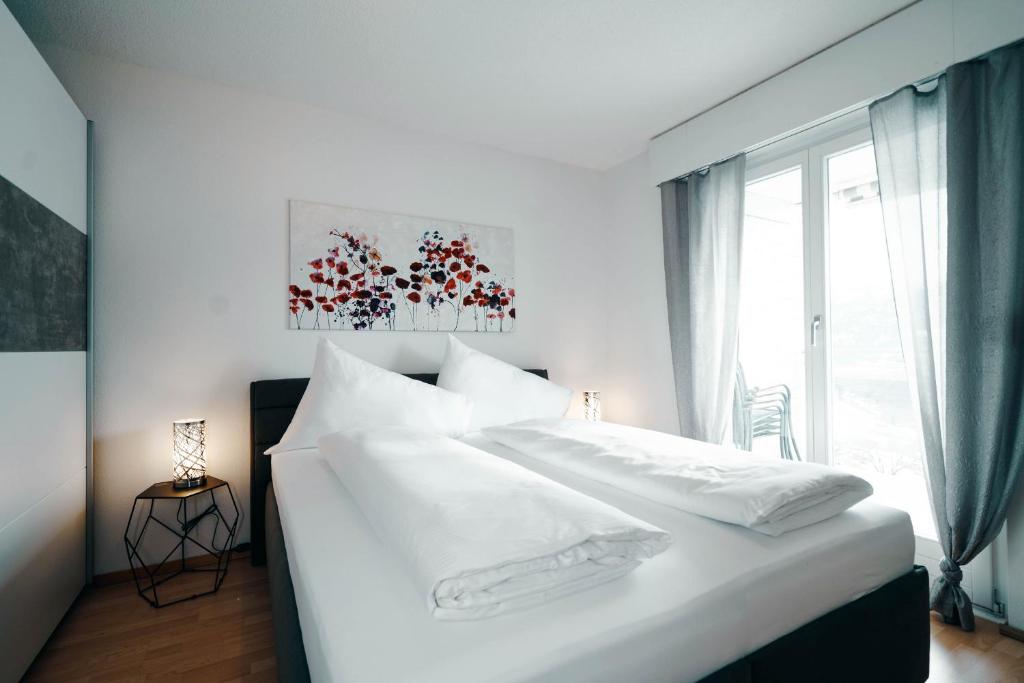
(354, 269)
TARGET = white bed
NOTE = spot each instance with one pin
(718, 593)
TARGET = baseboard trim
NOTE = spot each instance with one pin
(124, 575)
(1011, 632)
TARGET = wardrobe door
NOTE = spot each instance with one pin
(43, 331)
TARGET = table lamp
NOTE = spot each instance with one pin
(189, 456)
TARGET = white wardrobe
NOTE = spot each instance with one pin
(43, 363)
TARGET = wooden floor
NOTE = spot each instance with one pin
(112, 635)
(983, 656)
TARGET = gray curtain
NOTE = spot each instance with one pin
(964, 299)
(985, 318)
(702, 221)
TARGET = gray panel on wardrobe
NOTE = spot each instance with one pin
(42, 276)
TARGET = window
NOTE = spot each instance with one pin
(817, 317)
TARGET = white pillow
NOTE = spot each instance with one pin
(500, 393)
(346, 392)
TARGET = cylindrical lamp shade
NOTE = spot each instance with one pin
(592, 406)
(189, 453)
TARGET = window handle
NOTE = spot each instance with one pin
(815, 329)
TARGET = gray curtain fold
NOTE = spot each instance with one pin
(985, 309)
(951, 179)
(702, 227)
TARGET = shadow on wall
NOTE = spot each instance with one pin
(144, 458)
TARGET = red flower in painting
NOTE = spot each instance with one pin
(294, 290)
(414, 297)
(317, 264)
(317, 277)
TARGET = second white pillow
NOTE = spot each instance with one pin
(500, 393)
(346, 392)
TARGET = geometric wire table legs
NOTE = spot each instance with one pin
(149, 578)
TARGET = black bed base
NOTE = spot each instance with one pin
(883, 636)
(880, 637)
(288, 646)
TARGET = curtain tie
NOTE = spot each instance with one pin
(951, 571)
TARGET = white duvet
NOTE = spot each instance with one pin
(480, 535)
(768, 495)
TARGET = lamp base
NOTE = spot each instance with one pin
(190, 483)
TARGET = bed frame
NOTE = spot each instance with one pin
(882, 636)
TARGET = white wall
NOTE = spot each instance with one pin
(638, 388)
(1014, 580)
(191, 258)
(42, 394)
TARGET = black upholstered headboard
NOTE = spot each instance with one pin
(272, 403)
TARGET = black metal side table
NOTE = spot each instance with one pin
(149, 577)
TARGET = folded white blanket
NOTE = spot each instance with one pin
(480, 535)
(765, 494)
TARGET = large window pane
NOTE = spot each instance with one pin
(875, 432)
(771, 341)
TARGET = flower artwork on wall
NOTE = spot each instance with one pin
(353, 269)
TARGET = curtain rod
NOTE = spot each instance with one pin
(782, 71)
(920, 83)
(928, 80)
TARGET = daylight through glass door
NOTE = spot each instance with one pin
(874, 429)
(771, 399)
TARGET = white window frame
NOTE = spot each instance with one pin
(810, 150)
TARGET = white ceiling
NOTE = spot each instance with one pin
(586, 82)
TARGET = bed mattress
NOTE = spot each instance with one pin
(718, 593)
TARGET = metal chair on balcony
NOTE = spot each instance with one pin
(763, 411)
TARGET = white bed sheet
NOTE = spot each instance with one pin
(718, 593)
